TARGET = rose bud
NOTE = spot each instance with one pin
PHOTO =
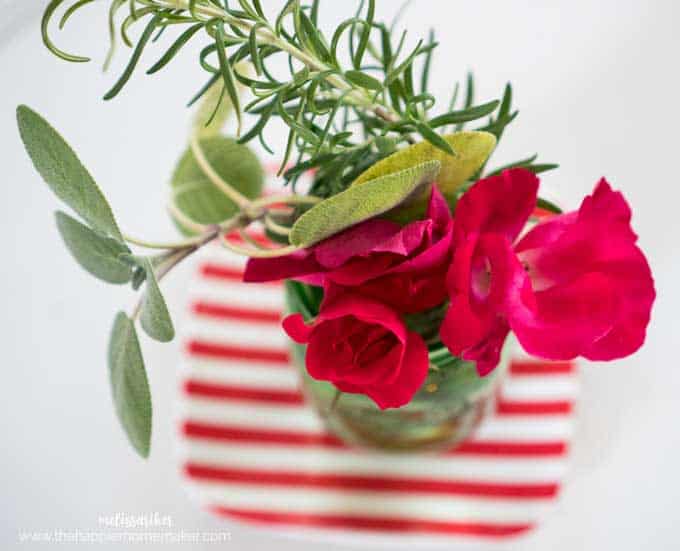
(363, 347)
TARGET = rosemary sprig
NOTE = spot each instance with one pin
(339, 112)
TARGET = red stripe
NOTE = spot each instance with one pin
(508, 407)
(222, 311)
(231, 352)
(228, 433)
(331, 481)
(258, 236)
(219, 271)
(227, 392)
(227, 273)
(376, 524)
(541, 368)
(513, 449)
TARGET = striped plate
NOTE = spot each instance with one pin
(252, 450)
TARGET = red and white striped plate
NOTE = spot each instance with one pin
(252, 450)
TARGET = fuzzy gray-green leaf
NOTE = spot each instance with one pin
(63, 172)
(97, 254)
(129, 385)
(155, 317)
(360, 203)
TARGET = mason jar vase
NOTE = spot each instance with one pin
(446, 410)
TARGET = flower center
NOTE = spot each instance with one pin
(481, 278)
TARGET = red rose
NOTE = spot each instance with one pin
(363, 347)
(404, 267)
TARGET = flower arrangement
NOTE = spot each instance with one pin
(405, 255)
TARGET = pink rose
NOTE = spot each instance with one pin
(362, 347)
(575, 285)
(404, 267)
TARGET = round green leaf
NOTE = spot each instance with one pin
(198, 198)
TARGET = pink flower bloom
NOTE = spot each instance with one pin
(404, 267)
(586, 260)
(575, 285)
(363, 347)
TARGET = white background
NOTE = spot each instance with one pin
(598, 88)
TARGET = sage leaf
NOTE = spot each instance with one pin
(360, 203)
(471, 151)
(129, 385)
(138, 278)
(139, 266)
(63, 172)
(97, 254)
(155, 317)
(198, 198)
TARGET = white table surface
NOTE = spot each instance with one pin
(598, 88)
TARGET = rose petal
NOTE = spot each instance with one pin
(565, 319)
(487, 354)
(463, 327)
(296, 328)
(412, 375)
(259, 270)
(476, 306)
(498, 204)
(635, 288)
(359, 240)
(597, 239)
(365, 309)
(610, 210)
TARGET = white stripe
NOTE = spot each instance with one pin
(525, 428)
(355, 462)
(371, 504)
(540, 387)
(236, 331)
(244, 414)
(517, 428)
(216, 254)
(238, 295)
(235, 372)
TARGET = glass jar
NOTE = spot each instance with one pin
(450, 405)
